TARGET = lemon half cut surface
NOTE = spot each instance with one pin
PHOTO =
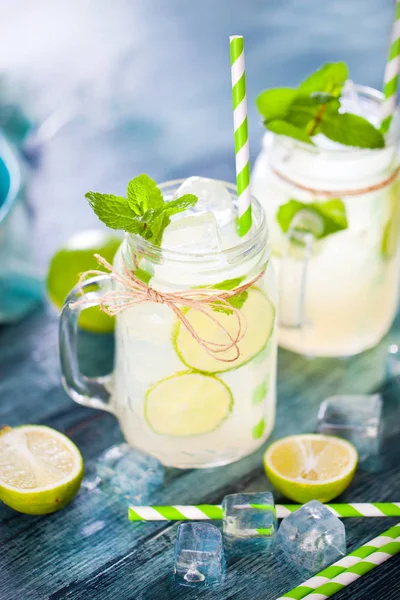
(40, 469)
(311, 466)
(187, 404)
(259, 319)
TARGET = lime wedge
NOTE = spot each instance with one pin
(259, 314)
(187, 404)
(40, 469)
(311, 466)
(390, 237)
(69, 262)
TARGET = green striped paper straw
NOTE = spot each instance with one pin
(349, 568)
(201, 512)
(238, 74)
(391, 78)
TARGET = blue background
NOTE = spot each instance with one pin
(145, 84)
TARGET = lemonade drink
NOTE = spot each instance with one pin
(337, 293)
(177, 402)
(175, 398)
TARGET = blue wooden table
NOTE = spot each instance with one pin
(144, 86)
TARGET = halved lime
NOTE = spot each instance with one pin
(187, 404)
(259, 315)
(69, 262)
(311, 466)
(40, 469)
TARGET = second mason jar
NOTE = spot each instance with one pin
(333, 213)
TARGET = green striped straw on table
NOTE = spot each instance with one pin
(201, 512)
(391, 77)
(349, 568)
(238, 74)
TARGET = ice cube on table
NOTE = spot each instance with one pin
(249, 522)
(212, 196)
(128, 474)
(312, 537)
(199, 556)
(198, 233)
(357, 418)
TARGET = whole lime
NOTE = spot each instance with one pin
(75, 257)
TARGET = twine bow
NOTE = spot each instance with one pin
(132, 291)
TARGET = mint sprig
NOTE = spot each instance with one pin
(144, 211)
(313, 108)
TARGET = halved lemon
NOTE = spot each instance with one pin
(40, 469)
(187, 404)
(259, 316)
(311, 466)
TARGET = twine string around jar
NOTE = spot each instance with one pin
(334, 194)
(132, 291)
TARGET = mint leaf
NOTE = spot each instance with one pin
(284, 128)
(138, 198)
(274, 104)
(155, 229)
(229, 284)
(307, 112)
(239, 299)
(149, 215)
(221, 308)
(322, 98)
(158, 220)
(326, 217)
(155, 198)
(114, 211)
(351, 130)
(236, 301)
(330, 78)
(180, 204)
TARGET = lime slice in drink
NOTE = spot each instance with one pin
(40, 469)
(259, 316)
(187, 404)
(69, 262)
(311, 466)
(390, 238)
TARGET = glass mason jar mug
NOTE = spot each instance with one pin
(181, 390)
(333, 213)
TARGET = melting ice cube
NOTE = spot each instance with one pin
(198, 233)
(199, 555)
(129, 474)
(312, 537)
(356, 418)
(212, 196)
(249, 521)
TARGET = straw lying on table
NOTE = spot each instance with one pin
(202, 512)
(350, 568)
(391, 77)
(241, 133)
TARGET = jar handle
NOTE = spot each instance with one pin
(84, 390)
(294, 267)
